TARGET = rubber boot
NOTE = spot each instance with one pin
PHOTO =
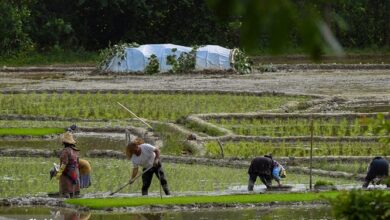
(251, 184)
(365, 185)
(166, 189)
(144, 192)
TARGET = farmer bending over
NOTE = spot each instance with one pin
(266, 169)
(378, 168)
(146, 156)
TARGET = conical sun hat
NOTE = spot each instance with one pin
(67, 137)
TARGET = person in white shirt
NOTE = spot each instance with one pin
(147, 156)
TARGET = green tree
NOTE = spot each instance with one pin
(14, 24)
(278, 21)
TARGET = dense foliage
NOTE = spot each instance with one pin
(362, 205)
(29, 25)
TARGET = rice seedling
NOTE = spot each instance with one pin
(30, 131)
(162, 106)
(183, 200)
(244, 149)
(294, 127)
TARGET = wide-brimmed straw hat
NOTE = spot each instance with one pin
(67, 137)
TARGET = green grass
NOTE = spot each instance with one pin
(30, 176)
(54, 57)
(30, 131)
(161, 106)
(185, 200)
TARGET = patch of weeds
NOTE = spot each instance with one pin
(241, 63)
(267, 68)
(323, 184)
(153, 65)
(203, 128)
(184, 63)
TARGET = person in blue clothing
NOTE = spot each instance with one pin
(266, 169)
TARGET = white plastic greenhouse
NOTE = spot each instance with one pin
(136, 59)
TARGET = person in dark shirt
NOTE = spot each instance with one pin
(378, 168)
(266, 169)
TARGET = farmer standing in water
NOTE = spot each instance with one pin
(147, 156)
(68, 174)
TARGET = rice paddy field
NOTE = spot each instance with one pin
(246, 149)
(153, 106)
(35, 120)
(30, 177)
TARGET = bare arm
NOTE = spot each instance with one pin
(134, 173)
(157, 158)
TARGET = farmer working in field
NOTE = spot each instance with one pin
(266, 169)
(147, 156)
(68, 173)
(378, 168)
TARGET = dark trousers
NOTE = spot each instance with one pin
(147, 179)
(265, 179)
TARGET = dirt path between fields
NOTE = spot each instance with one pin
(361, 82)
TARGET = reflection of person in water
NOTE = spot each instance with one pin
(147, 216)
(74, 215)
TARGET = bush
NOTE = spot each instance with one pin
(13, 35)
(358, 204)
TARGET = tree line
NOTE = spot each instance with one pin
(41, 25)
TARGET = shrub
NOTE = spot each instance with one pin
(358, 204)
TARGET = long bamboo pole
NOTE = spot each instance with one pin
(135, 115)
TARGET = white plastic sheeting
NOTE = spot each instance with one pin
(210, 57)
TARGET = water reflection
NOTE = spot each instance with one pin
(291, 213)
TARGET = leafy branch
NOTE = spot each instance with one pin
(106, 55)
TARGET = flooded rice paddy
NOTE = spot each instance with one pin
(289, 212)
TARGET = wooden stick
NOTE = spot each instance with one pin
(135, 115)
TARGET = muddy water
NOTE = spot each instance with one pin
(289, 212)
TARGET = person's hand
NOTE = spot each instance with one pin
(60, 171)
(58, 175)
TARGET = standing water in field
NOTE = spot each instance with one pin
(290, 212)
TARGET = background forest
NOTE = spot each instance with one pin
(89, 25)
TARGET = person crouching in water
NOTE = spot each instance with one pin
(147, 156)
(68, 173)
(266, 169)
(378, 168)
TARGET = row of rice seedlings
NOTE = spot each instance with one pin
(30, 131)
(146, 105)
(85, 144)
(66, 124)
(30, 176)
(296, 127)
(295, 149)
(349, 167)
